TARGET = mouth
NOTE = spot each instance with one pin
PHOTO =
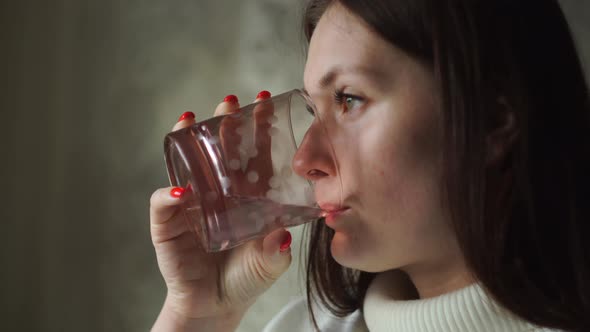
(332, 211)
(330, 207)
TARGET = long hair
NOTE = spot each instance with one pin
(521, 227)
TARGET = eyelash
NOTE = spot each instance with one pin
(340, 97)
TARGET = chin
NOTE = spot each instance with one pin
(350, 252)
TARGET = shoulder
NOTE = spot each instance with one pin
(295, 317)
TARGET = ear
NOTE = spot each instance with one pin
(502, 133)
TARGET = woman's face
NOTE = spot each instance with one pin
(381, 109)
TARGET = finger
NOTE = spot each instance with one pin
(276, 251)
(262, 95)
(185, 120)
(229, 104)
(169, 231)
(230, 131)
(164, 203)
(241, 147)
(183, 241)
(264, 118)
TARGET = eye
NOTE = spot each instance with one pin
(352, 102)
(310, 110)
(347, 101)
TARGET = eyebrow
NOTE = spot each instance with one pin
(328, 79)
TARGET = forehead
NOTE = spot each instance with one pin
(342, 40)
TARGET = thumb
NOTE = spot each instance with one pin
(276, 252)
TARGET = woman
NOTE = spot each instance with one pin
(467, 142)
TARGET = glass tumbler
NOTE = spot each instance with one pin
(238, 172)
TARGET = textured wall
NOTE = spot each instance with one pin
(89, 89)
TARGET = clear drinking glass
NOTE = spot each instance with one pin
(237, 170)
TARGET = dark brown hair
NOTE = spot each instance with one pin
(522, 226)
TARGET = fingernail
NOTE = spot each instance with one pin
(286, 242)
(186, 115)
(177, 192)
(230, 99)
(263, 95)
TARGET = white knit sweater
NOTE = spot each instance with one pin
(465, 310)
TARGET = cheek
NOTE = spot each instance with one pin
(398, 190)
(388, 153)
(401, 151)
(406, 167)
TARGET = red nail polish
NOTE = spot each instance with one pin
(286, 242)
(177, 192)
(231, 99)
(186, 115)
(263, 95)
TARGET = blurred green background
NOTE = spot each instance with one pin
(89, 89)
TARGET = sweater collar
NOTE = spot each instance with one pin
(466, 309)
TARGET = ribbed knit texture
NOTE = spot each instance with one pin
(468, 309)
(465, 310)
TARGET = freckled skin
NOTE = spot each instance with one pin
(388, 151)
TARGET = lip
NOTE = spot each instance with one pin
(332, 213)
(330, 207)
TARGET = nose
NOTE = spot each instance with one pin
(314, 158)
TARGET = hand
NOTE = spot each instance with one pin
(210, 285)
